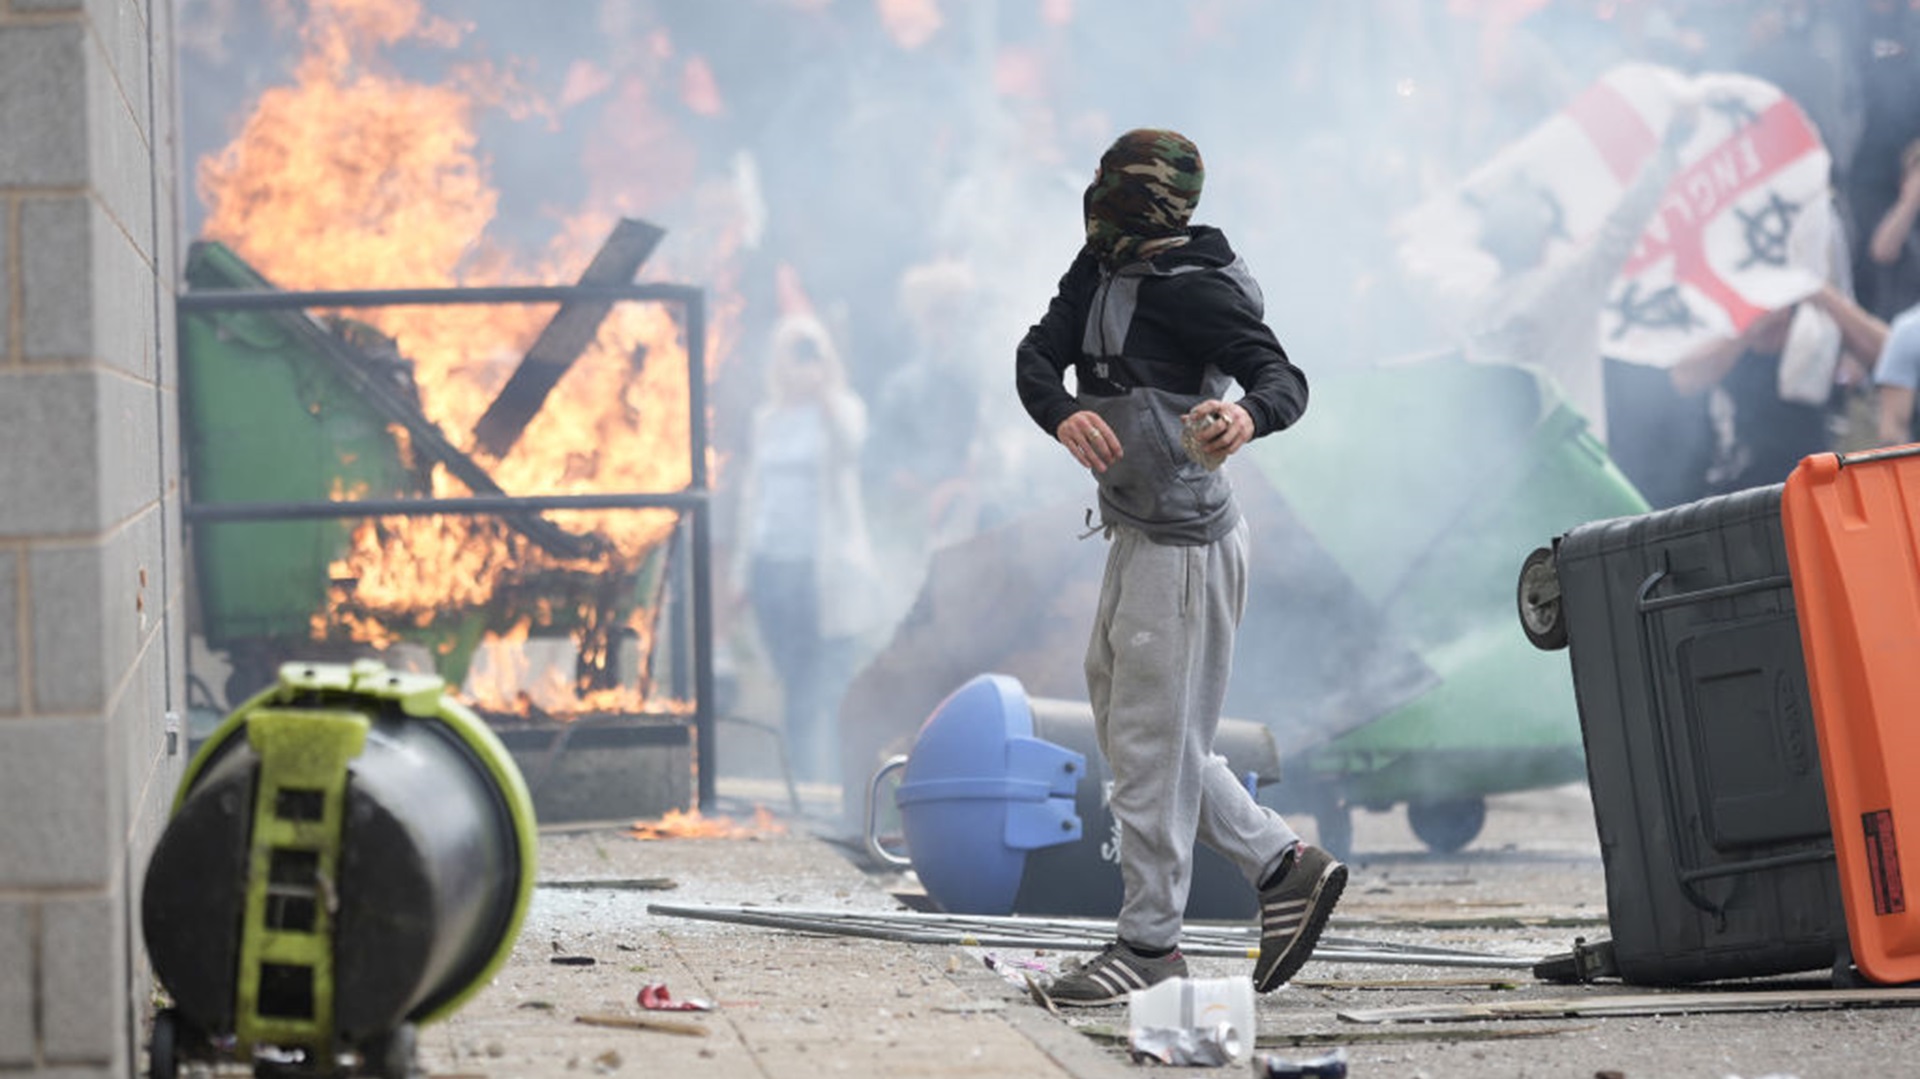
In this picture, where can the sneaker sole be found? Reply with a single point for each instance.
(1319, 908)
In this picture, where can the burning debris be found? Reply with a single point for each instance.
(459, 586)
(693, 825)
(354, 177)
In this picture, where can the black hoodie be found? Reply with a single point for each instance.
(1147, 342)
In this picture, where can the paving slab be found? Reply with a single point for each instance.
(786, 1005)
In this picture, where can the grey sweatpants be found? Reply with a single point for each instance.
(1156, 675)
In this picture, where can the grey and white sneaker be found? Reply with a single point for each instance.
(1107, 978)
(1293, 911)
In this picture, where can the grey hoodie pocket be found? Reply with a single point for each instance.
(1153, 482)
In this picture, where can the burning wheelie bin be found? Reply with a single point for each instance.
(271, 416)
(283, 411)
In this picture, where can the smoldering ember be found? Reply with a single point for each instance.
(958, 537)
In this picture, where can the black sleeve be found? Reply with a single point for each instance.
(1225, 330)
(1051, 346)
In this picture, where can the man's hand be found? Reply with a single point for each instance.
(1089, 439)
(1221, 439)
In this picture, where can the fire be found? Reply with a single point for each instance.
(355, 177)
(692, 825)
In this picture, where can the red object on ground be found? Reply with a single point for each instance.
(655, 998)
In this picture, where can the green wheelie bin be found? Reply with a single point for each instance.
(1429, 480)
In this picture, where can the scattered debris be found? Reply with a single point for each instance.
(1207, 1047)
(1330, 1066)
(972, 1007)
(1017, 972)
(615, 884)
(1475, 921)
(1070, 934)
(1001, 963)
(1110, 1035)
(1040, 996)
(655, 998)
(1495, 984)
(641, 1022)
(573, 960)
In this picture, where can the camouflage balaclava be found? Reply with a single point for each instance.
(1143, 195)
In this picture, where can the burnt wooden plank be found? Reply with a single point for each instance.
(564, 338)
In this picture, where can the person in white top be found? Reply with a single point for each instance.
(804, 561)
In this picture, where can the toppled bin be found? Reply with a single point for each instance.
(1003, 807)
(1701, 752)
(1850, 535)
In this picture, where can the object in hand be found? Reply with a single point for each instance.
(1195, 429)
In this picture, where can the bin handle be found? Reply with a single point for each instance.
(1648, 602)
(1866, 456)
(874, 846)
(1688, 875)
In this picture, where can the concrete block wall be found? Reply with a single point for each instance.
(92, 617)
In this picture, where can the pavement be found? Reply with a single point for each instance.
(789, 1004)
(785, 1004)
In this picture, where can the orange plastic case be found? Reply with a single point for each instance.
(1853, 542)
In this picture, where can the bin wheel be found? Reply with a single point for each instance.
(1541, 614)
(163, 1047)
(392, 1056)
(1448, 825)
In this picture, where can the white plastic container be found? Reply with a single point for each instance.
(1200, 1005)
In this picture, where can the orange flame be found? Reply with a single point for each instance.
(354, 177)
(692, 825)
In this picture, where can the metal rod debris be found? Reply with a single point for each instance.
(475, 506)
(987, 931)
(257, 300)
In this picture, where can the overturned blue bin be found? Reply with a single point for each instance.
(979, 792)
(1003, 808)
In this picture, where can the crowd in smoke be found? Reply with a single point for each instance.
(908, 174)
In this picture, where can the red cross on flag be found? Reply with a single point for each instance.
(1742, 225)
